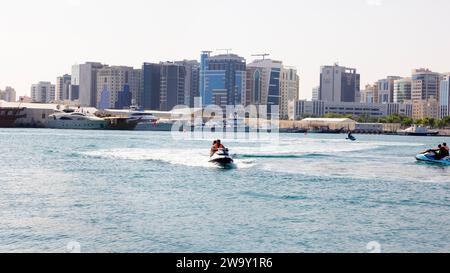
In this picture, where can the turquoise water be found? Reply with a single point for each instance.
(145, 192)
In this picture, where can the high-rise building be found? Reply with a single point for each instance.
(118, 87)
(84, 83)
(425, 84)
(9, 94)
(386, 89)
(444, 97)
(425, 93)
(254, 84)
(172, 85)
(222, 79)
(369, 94)
(63, 87)
(402, 90)
(264, 85)
(191, 81)
(151, 86)
(315, 93)
(43, 92)
(339, 84)
(289, 90)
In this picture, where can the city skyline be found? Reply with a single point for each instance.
(301, 31)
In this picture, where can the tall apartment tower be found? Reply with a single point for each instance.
(63, 87)
(43, 92)
(369, 94)
(172, 86)
(425, 93)
(289, 90)
(425, 84)
(118, 87)
(339, 84)
(444, 97)
(402, 90)
(84, 83)
(386, 90)
(151, 86)
(191, 81)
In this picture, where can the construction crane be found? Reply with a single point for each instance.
(225, 49)
(264, 55)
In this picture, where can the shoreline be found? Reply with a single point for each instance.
(442, 133)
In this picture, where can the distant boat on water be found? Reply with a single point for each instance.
(417, 130)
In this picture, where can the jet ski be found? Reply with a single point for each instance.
(429, 157)
(351, 137)
(221, 157)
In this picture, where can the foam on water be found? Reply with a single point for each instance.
(187, 157)
(249, 155)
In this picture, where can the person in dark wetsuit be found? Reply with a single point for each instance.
(350, 136)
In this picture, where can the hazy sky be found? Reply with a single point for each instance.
(41, 39)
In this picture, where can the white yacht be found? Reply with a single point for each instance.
(75, 120)
(149, 122)
(142, 117)
(417, 130)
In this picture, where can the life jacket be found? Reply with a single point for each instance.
(217, 146)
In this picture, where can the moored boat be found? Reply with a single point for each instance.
(75, 120)
(118, 123)
(417, 130)
(9, 116)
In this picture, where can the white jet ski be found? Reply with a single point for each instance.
(221, 157)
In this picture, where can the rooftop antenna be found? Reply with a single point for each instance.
(225, 49)
(264, 55)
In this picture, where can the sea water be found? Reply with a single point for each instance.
(104, 191)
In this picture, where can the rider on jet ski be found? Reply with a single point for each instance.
(216, 147)
(439, 153)
(350, 135)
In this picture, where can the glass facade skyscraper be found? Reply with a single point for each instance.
(151, 86)
(402, 90)
(444, 97)
(172, 86)
(263, 87)
(222, 79)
